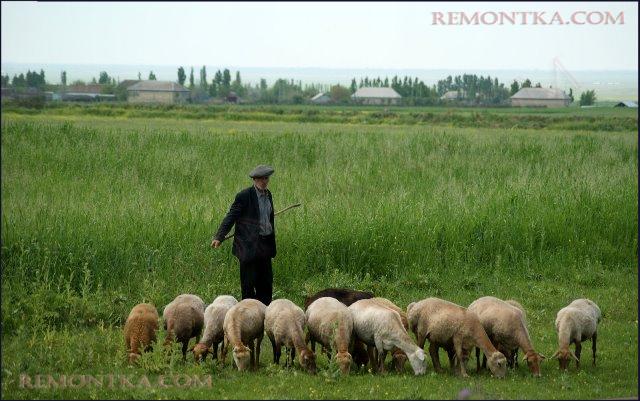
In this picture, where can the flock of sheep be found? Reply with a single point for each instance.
(344, 321)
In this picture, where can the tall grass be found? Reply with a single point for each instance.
(99, 214)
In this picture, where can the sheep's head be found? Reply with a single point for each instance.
(133, 357)
(533, 360)
(242, 357)
(344, 361)
(418, 362)
(564, 357)
(399, 360)
(308, 360)
(497, 363)
(200, 352)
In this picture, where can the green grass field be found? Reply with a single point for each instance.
(100, 213)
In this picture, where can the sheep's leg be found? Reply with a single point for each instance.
(421, 340)
(214, 354)
(435, 359)
(293, 355)
(185, 345)
(258, 344)
(593, 347)
(381, 357)
(372, 357)
(223, 351)
(457, 344)
(578, 351)
(277, 351)
(252, 352)
(452, 357)
(477, 359)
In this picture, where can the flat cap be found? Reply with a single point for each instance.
(261, 171)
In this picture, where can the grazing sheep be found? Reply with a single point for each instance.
(329, 322)
(213, 333)
(398, 356)
(452, 327)
(347, 297)
(244, 324)
(513, 361)
(380, 326)
(576, 323)
(183, 319)
(140, 330)
(507, 330)
(284, 324)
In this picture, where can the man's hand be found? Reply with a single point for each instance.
(215, 243)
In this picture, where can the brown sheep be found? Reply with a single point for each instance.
(284, 324)
(184, 319)
(244, 324)
(507, 330)
(347, 297)
(454, 328)
(140, 330)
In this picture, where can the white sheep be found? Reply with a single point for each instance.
(183, 319)
(284, 324)
(244, 324)
(507, 330)
(213, 333)
(576, 323)
(514, 352)
(455, 329)
(330, 323)
(380, 326)
(140, 330)
(398, 356)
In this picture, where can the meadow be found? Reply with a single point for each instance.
(101, 212)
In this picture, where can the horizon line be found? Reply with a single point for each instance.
(318, 68)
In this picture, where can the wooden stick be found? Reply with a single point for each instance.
(275, 214)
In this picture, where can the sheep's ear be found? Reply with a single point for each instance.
(555, 355)
(421, 355)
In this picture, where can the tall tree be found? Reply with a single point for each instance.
(139, 76)
(203, 78)
(104, 78)
(182, 76)
(152, 76)
(588, 98)
(192, 83)
(63, 78)
(571, 95)
(515, 87)
(353, 86)
(526, 83)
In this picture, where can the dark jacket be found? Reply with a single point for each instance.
(245, 214)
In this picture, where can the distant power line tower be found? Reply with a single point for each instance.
(558, 68)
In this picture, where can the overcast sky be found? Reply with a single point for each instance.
(328, 35)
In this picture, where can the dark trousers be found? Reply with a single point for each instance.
(256, 280)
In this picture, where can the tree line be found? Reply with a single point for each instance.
(471, 89)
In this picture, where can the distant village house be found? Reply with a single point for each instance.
(157, 92)
(321, 98)
(375, 96)
(540, 97)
